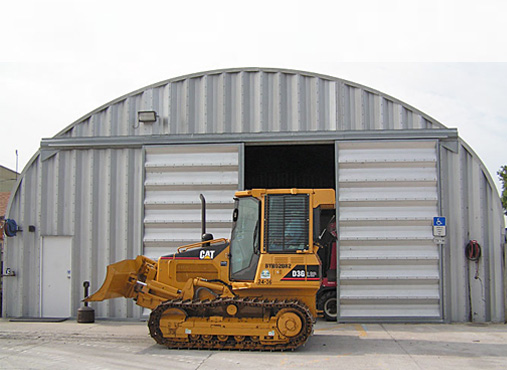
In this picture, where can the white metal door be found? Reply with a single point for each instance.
(387, 198)
(56, 276)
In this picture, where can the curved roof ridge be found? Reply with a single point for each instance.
(249, 69)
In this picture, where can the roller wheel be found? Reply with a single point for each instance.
(329, 305)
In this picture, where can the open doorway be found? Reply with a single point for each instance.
(290, 166)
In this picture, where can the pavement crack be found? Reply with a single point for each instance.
(401, 347)
(203, 361)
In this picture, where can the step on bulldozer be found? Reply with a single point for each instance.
(255, 291)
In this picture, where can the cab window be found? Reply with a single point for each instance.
(287, 223)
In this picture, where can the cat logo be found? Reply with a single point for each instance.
(206, 255)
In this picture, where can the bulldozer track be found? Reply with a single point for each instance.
(204, 309)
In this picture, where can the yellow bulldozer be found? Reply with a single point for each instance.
(255, 291)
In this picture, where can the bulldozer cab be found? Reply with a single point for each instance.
(278, 222)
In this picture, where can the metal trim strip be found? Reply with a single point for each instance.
(112, 142)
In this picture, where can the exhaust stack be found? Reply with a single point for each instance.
(204, 236)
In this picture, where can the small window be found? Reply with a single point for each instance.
(245, 239)
(286, 225)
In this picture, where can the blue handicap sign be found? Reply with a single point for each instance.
(438, 221)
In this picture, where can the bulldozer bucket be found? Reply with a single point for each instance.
(116, 283)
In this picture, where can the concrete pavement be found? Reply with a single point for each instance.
(127, 344)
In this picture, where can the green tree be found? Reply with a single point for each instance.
(502, 174)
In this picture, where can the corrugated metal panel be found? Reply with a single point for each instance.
(94, 196)
(174, 178)
(251, 100)
(473, 290)
(389, 265)
(21, 294)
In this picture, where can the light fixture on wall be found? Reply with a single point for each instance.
(147, 116)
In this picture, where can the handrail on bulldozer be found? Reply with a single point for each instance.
(185, 248)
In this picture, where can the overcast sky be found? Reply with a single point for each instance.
(62, 59)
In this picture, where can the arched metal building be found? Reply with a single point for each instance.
(110, 187)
